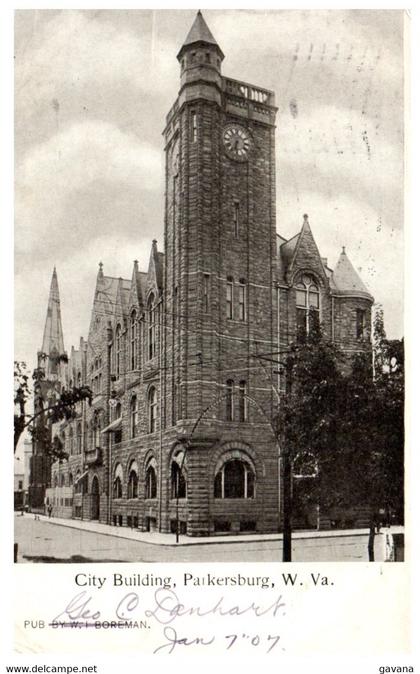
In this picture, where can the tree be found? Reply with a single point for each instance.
(61, 406)
(22, 393)
(309, 413)
(347, 422)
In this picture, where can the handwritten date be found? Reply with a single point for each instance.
(268, 642)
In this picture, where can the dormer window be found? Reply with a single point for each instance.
(307, 305)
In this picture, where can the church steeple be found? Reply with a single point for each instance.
(52, 348)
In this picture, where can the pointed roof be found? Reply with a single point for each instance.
(136, 297)
(301, 252)
(155, 270)
(53, 341)
(347, 280)
(199, 32)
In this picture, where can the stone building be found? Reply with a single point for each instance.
(179, 433)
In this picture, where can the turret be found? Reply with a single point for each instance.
(200, 57)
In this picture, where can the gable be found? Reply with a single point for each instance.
(306, 256)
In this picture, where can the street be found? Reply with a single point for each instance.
(40, 540)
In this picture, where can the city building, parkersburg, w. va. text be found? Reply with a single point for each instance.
(180, 430)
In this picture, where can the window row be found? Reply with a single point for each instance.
(150, 481)
(130, 339)
(308, 310)
(235, 479)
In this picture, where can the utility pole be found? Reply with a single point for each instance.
(287, 505)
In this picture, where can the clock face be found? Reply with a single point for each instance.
(237, 141)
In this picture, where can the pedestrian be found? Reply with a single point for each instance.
(50, 510)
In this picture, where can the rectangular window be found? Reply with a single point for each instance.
(242, 301)
(229, 400)
(360, 323)
(206, 293)
(193, 126)
(301, 329)
(229, 299)
(236, 218)
(243, 400)
(300, 298)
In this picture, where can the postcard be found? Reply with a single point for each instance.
(209, 378)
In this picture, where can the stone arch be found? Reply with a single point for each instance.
(150, 477)
(117, 479)
(132, 480)
(178, 471)
(310, 272)
(236, 450)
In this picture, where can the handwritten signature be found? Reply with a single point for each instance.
(166, 609)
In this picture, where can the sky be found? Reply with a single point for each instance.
(92, 88)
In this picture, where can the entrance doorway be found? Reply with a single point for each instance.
(95, 499)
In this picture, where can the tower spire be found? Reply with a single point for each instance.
(199, 34)
(52, 342)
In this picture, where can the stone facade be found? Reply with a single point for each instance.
(179, 433)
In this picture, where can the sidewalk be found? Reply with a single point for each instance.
(157, 538)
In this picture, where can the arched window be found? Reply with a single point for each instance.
(118, 350)
(71, 448)
(307, 306)
(79, 438)
(229, 399)
(133, 416)
(134, 340)
(151, 480)
(55, 481)
(118, 480)
(243, 401)
(79, 379)
(70, 480)
(133, 481)
(152, 408)
(235, 479)
(151, 326)
(62, 480)
(178, 476)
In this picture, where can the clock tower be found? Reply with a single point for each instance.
(220, 278)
